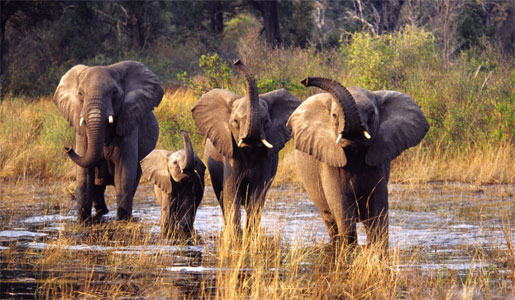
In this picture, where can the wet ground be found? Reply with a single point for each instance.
(448, 225)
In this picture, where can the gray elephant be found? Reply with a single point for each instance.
(110, 109)
(244, 136)
(345, 141)
(178, 179)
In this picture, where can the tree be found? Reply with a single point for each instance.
(269, 12)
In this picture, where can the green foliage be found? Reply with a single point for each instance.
(376, 61)
(218, 73)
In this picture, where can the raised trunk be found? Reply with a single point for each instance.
(188, 150)
(96, 124)
(252, 128)
(354, 125)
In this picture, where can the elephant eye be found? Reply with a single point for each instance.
(334, 115)
(79, 93)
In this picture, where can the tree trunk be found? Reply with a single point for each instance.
(268, 10)
(217, 17)
(389, 11)
(3, 69)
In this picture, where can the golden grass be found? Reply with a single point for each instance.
(477, 164)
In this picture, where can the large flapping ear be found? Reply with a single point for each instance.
(313, 131)
(155, 169)
(67, 100)
(402, 124)
(142, 92)
(211, 114)
(281, 104)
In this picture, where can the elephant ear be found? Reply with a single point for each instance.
(402, 124)
(281, 104)
(67, 100)
(211, 114)
(142, 92)
(313, 131)
(155, 169)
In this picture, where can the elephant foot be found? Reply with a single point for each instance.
(123, 215)
(83, 216)
(99, 213)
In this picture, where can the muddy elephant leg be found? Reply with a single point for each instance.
(376, 223)
(231, 198)
(254, 205)
(126, 175)
(85, 179)
(341, 202)
(85, 184)
(215, 165)
(99, 203)
(166, 220)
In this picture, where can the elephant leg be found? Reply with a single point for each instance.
(215, 166)
(340, 195)
(376, 222)
(308, 170)
(255, 203)
(85, 179)
(84, 192)
(99, 202)
(233, 190)
(126, 175)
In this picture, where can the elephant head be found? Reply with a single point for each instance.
(385, 123)
(163, 166)
(230, 120)
(94, 98)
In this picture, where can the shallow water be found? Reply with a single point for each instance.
(448, 224)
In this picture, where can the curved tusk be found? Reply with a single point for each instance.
(367, 135)
(240, 142)
(266, 143)
(339, 138)
(81, 121)
(111, 120)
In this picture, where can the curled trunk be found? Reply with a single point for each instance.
(252, 128)
(96, 123)
(188, 150)
(354, 125)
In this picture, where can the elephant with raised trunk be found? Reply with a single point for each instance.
(345, 141)
(110, 109)
(244, 137)
(178, 179)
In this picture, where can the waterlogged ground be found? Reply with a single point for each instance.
(442, 227)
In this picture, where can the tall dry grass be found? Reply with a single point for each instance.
(468, 102)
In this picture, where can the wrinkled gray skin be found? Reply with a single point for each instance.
(347, 180)
(178, 179)
(237, 129)
(105, 152)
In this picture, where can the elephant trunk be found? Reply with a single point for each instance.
(188, 150)
(354, 126)
(252, 128)
(96, 124)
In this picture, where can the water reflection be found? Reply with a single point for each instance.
(441, 222)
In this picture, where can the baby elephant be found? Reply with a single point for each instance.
(178, 179)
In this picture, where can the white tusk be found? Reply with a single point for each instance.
(81, 121)
(367, 135)
(111, 120)
(339, 138)
(266, 143)
(240, 142)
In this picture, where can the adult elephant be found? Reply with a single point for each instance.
(244, 136)
(345, 141)
(178, 179)
(110, 109)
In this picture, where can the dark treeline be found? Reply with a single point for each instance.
(40, 39)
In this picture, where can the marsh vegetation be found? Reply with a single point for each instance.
(451, 197)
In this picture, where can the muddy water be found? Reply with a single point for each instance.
(448, 224)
